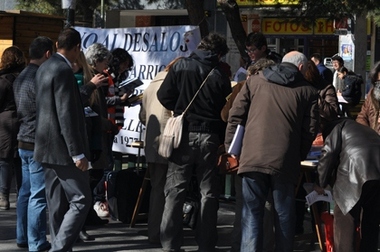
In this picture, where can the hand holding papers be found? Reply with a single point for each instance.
(134, 100)
(130, 84)
(341, 99)
(313, 197)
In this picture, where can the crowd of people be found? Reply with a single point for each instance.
(53, 138)
(282, 102)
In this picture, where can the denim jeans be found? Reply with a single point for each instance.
(256, 187)
(31, 204)
(197, 153)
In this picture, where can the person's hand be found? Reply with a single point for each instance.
(338, 93)
(82, 164)
(318, 189)
(129, 92)
(99, 80)
(124, 97)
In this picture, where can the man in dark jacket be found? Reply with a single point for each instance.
(31, 201)
(201, 136)
(256, 48)
(61, 142)
(325, 73)
(350, 164)
(279, 110)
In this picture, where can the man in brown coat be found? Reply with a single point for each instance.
(369, 114)
(279, 110)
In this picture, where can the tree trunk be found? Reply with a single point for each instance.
(231, 10)
(361, 47)
(197, 15)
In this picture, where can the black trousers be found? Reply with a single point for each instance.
(366, 214)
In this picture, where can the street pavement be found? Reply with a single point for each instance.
(117, 236)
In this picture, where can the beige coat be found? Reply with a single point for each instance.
(154, 116)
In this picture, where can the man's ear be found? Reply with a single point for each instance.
(300, 66)
(48, 54)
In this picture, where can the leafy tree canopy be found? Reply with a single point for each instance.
(84, 8)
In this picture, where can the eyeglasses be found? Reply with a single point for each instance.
(251, 50)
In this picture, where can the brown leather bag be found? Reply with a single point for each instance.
(227, 164)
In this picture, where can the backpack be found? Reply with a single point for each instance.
(352, 90)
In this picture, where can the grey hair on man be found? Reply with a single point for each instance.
(296, 58)
(97, 53)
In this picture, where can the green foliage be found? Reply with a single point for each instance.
(330, 8)
(52, 7)
(375, 15)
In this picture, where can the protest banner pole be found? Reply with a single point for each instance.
(70, 6)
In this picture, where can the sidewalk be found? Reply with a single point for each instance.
(117, 236)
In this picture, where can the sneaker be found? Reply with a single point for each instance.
(101, 209)
(4, 201)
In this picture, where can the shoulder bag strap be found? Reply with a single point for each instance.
(199, 89)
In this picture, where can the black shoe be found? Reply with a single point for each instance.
(96, 222)
(46, 248)
(85, 237)
(22, 245)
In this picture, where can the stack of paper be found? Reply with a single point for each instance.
(313, 197)
(313, 162)
(237, 141)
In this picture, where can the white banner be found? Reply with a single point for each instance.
(69, 4)
(151, 48)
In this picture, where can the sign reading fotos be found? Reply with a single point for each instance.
(267, 2)
(151, 48)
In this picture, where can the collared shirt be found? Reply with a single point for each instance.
(67, 61)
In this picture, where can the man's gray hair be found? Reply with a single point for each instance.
(296, 58)
(97, 53)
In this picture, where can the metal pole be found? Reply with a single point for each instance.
(70, 6)
(102, 13)
(70, 17)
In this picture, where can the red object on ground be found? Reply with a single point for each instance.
(328, 220)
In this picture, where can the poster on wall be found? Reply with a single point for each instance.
(347, 50)
(151, 48)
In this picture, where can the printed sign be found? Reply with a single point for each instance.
(151, 48)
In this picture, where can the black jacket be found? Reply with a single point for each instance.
(351, 91)
(181, 83)
(9, 125)
(350, 157)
